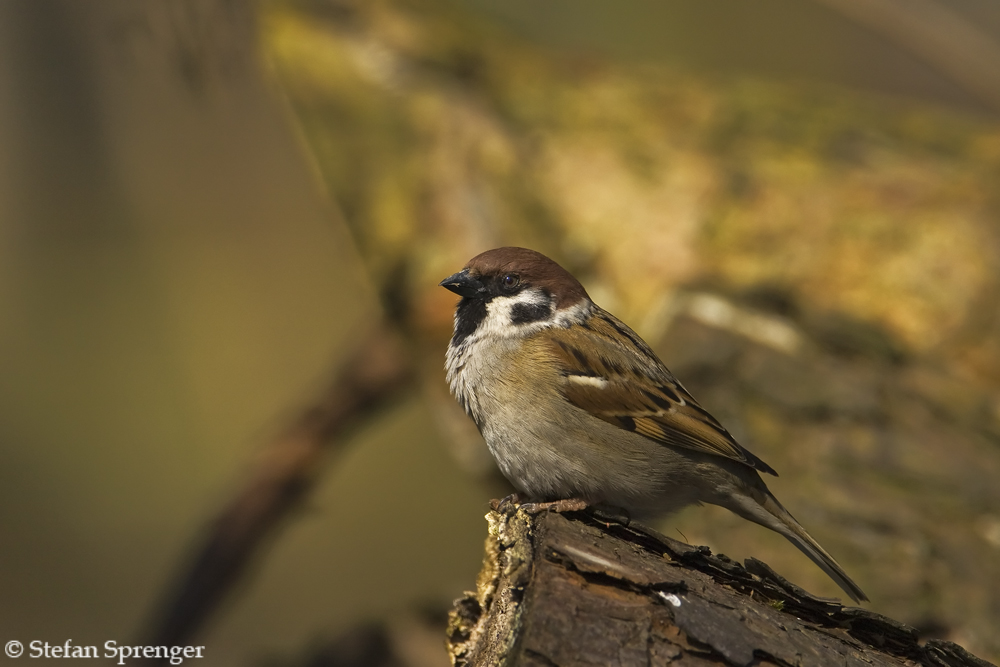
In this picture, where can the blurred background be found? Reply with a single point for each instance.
(206, 205)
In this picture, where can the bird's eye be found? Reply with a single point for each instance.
(510, 281)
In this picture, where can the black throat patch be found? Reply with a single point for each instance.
(470, 314)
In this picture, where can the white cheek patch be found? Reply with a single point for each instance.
(500, 315)
(588, 380)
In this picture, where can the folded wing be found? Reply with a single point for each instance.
(612, 374)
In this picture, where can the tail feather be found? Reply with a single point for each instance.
(768, 512)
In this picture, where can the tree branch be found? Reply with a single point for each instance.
(378, 371)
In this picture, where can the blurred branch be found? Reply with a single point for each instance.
(938, 35)
(378, 371)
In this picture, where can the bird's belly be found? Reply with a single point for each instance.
(583, 457)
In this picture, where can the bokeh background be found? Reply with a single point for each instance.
(206, 204)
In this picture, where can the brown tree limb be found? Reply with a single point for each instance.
(376, 374)
(568, 590)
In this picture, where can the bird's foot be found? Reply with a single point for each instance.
(564, 505)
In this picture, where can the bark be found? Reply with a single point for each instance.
(566, 589)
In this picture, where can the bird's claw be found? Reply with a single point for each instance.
(506, 505)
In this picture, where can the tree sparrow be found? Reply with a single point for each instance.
(577, 409)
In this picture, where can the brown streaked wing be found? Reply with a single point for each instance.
(640, 394)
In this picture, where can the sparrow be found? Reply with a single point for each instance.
(579, 411)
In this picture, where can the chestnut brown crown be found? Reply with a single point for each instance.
(532, 268)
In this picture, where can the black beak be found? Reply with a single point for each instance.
(462, 284)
